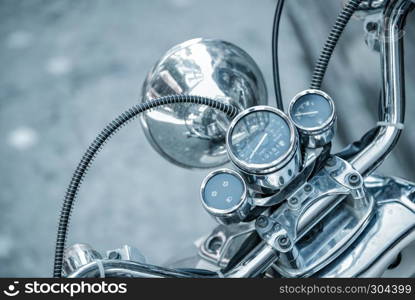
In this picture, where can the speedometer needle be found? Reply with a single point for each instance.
(259, 145)
(306, 113)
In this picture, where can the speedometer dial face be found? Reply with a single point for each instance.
(260, 138)
(312, 111)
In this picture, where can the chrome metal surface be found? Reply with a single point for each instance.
(223, 243)
(120, 268)
(309, 163)
(255, 263)
(391, 229)
(389, 232)
(126, 252)
(331, 187)
(274, 175)
(402, 265)
(193, 136)
(371, 4)
(315, 225)
(393, 100)
(372, 25)
(234, 214)
(77, 256)
(320, 135)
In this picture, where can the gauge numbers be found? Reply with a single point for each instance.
(260, 138)
(311, 110)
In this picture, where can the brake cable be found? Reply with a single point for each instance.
(331, 42)
(275, 63)
(321, 68)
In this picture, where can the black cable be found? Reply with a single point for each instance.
(200, 272)
(250, 243)
(356, 147)
(275, 64)
(96, 146)
(331, 42)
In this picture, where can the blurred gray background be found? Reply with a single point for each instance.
(69, 67)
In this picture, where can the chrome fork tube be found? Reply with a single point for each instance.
(393, 100)
(260, 259)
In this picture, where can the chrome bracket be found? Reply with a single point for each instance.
(309, 162)
(372, 24)
(308, 213)
(126, 252)
(371, 5)
(224, 241)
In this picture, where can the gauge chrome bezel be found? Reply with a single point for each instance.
(317, 129)
(223, 212)
(263, 169)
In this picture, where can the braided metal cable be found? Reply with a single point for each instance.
(331, 42)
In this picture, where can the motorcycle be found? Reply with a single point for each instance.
(288, 207)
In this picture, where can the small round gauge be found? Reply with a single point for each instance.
(313, 113)
(261, 139)
(224, 194)
(312, 110)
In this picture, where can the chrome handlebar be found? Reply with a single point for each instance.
(393, 98)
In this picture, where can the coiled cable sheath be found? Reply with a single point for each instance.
(331, 42)
(96, 146)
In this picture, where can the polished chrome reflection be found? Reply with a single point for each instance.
(223, 243)
(77, 256)
(391, 230)
(124, 268)
(393, 100)
(194, 136)
(371, 4)
(315, 227)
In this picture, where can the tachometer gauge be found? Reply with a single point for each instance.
(313, 113)
(263, 143)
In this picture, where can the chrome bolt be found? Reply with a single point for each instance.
(331, 162)
(372, 26)
(353, 179)
(214, 244)
(276, 227)
(262, 222)
(284, 242)
(308, 188)
(114, 255)
(293, 201)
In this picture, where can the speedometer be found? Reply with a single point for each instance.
(262, 140)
